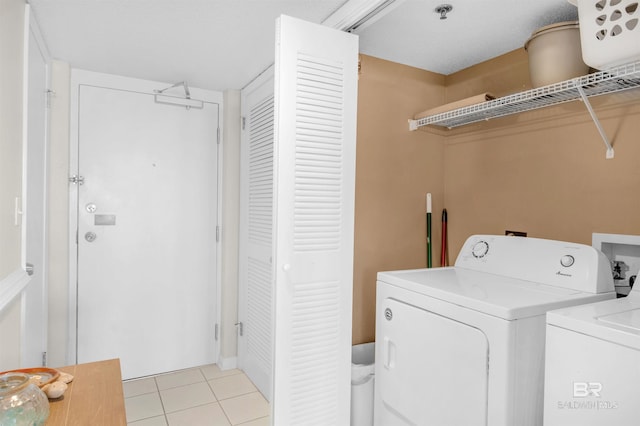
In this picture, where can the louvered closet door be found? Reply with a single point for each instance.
(315, 116)
(256, 231)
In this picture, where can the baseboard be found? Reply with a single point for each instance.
(228, 363)
(11, 286)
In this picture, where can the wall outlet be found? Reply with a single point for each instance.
(515, 233)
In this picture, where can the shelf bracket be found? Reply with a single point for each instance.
(585, 99)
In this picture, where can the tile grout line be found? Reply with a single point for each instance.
(238, 396)
(199, 405)
(249, 421)
(241, 394)
(218, 401)
(209, 386)
(164, 412)
(240, 372)
(189, 408)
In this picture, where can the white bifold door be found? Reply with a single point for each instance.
(316, 74)
(298, 251)
(255, 337)
(147, 215)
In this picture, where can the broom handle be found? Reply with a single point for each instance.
(429, 230)
(443, 254)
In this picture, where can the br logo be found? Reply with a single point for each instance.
(586, 389)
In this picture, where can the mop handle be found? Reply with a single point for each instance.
(443, 254)
(429, 230)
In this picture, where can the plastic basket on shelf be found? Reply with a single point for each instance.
(609, 32)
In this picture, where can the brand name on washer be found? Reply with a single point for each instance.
(563, 274)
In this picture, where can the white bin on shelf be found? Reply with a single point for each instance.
(362, 378)
(609, 32)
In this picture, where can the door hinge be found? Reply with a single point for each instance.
(244, 122)
(48, 95)
(44, 359)
(76, 179)
(217, 233)
(28, 268)
(240, 326)
(216, 333)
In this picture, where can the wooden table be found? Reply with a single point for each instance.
(94, 397)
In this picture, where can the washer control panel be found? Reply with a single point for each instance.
(558, 263)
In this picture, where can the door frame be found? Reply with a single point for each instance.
(109, 81)
(33, 33)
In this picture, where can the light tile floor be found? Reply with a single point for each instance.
(204, 396)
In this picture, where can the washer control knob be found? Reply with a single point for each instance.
(567, 260)
(480, 249)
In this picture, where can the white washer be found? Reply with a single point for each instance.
(593, 364)
(464, 345)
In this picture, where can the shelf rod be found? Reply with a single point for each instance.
(594, 117)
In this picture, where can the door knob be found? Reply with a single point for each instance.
(90, 236)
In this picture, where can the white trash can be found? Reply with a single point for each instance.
(362, 378)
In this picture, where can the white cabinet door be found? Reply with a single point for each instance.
(256, 228)
(315, 131)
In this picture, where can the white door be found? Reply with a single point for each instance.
(35, 190)
(255, 337)
(314, 189)
(433, 370)
(147, 214)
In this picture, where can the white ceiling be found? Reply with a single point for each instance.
(474, 31)
(223, 44)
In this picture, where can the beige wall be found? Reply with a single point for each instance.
(395, 168)
(543, 172)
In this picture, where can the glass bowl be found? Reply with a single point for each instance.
(22, 403)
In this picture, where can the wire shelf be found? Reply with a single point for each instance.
(600, 83)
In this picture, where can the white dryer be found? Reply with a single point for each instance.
(464, 345)
(593, 364)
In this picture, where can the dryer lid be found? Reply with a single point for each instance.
(495, 295)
